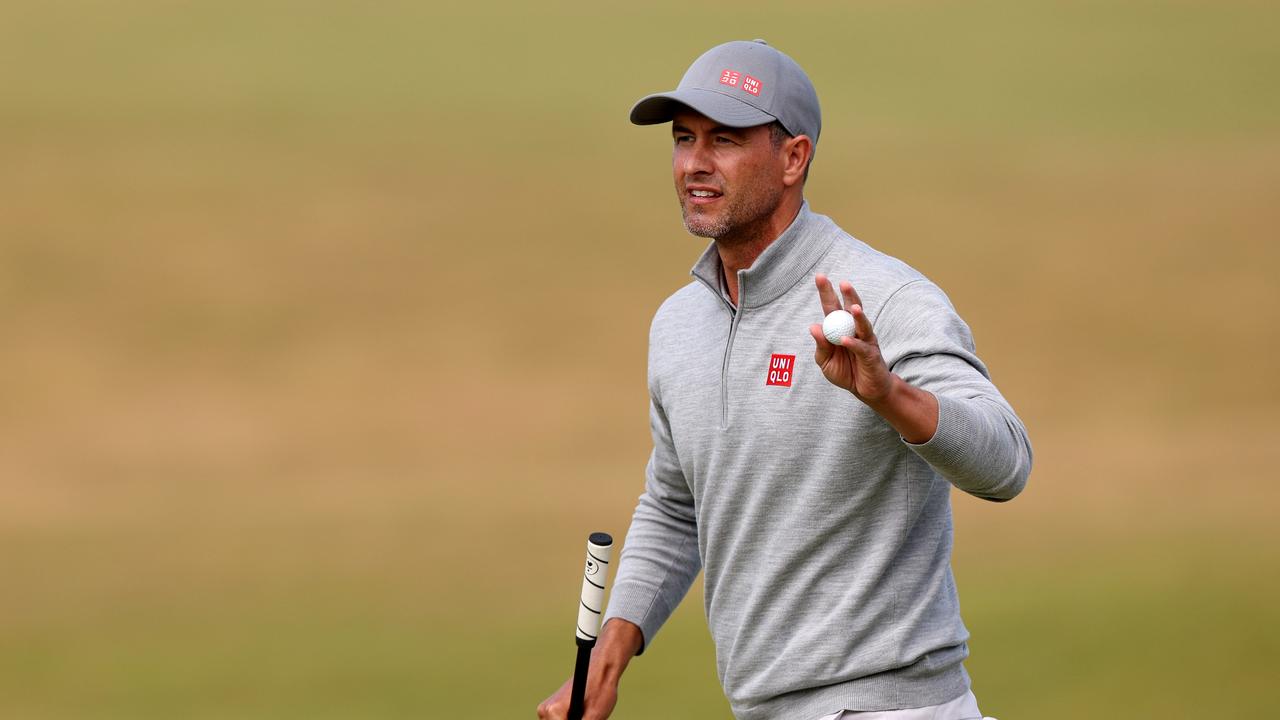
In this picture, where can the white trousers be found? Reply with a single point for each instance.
(964, 707)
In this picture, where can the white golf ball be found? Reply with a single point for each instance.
(839, 324)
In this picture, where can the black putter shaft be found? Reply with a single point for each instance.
(579, 696)
(590, 611)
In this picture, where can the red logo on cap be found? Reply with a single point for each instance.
(781, 369)
(729, 77)
(751, 85)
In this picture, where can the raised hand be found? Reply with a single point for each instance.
(855, 364)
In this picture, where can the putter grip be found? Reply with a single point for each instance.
(594, 579)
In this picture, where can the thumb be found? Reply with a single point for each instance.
(825, 348)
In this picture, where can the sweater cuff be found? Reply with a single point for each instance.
(634, 603)
(953, 439)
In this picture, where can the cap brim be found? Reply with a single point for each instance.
(726, 110)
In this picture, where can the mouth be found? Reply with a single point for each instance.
(702, 195)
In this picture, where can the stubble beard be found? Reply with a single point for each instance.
(740, 221)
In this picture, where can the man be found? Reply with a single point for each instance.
(815, 497)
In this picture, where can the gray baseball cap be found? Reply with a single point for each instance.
(740, 84)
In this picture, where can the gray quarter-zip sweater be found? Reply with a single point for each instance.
(824, 536)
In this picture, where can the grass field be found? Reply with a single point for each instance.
(261, 455)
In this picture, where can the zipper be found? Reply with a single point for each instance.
(724, 373)
(734, 315)
(728, 354)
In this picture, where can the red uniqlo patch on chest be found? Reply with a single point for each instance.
(751, 85)
(729, 77)
(781, 369)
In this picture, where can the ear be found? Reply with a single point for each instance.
(796, 152)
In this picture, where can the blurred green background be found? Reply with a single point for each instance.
(325, 324)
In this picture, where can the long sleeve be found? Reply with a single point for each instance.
(660, 557)
(980, 445)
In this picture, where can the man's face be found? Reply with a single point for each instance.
(729, 180)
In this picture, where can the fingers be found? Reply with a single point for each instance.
(861, 323)
(850, 296)
(556, 707)
(851, 303)
(874, 381)
(550, 710)
(866, 356)
(826, 294)
(600, 699)
(862, 351)
(825, 348)
(862, 344)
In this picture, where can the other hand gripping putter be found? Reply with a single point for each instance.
(590, 612)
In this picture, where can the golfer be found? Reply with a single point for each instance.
(813, 495)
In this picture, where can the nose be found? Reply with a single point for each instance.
(694, 158)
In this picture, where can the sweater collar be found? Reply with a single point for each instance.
(786, 261)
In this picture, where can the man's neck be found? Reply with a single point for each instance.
(740, 253)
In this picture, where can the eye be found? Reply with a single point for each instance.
(683, 139)
(724, 140)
